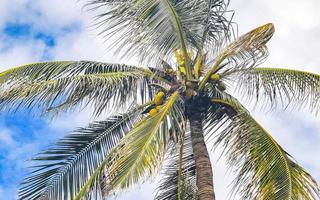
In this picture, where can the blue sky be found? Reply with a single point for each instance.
(38, 30)
(28, 34)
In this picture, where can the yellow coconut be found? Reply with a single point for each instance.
(180, 58)
(158, 98)
(153, 112)
(182, 69)
(177, 54)
(215, 77)
(158, 108)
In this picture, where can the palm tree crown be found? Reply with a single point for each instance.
(181, 95)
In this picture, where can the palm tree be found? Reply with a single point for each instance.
(180, 97)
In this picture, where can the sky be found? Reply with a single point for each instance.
(40, 30)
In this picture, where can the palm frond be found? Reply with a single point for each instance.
(265, 170)
(140, 154)
(58, 69)
(218, 28)
(62, 171)
(101, 174)
(33, 70)
(101, 91)
(274, 86)
(169, 187)
(245, 52)
(154, 28)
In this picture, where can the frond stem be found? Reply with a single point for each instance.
(155, 76)
(213, 69)
(177, 24)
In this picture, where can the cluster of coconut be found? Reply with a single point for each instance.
(158, 100)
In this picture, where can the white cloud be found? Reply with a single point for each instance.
(80, 46)
(67, 122)
(47, 15)
(7, 8)
(20, 53)
(57, 13)
(6, 138)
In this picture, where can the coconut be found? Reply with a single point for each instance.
(153, 112)
(215, 77)
(158, 98)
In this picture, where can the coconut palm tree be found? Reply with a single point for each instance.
(162, 111)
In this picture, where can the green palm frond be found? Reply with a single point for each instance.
(140, 154)
(245, 52)
(169, 186)
(57, 69)
(101, 91)
(154, 28)
(274, 86)
(62, 171)
(32, 71)
(218, 28)
(265, 170)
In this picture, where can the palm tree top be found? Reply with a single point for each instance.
(190, 62)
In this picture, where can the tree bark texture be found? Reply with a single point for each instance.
(202, 158)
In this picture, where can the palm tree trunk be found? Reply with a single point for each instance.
(202, 159)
